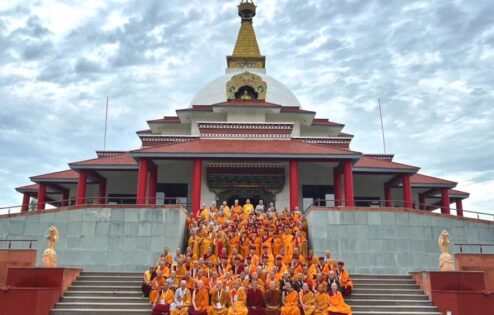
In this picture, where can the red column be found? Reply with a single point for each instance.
(388, 196)
(459, 207)
(422, 205)
(294, 183)
(196, 186)
(407, 191)
(41, 196)
(25, 202)
(102, 191)
(337, 186)
(153, 183)
(65, 198)
(348, 175)
(81, 188)
(445, 201)
(142, 180)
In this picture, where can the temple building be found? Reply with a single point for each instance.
(244, 135)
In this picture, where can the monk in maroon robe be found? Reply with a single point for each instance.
(255, 299)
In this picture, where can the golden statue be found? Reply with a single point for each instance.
(50, 255)
(445, 259)
(245, 96)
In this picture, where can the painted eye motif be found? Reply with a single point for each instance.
(260, 88)
(232, 89)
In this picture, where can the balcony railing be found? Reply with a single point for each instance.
(473, 245)
(8, 243)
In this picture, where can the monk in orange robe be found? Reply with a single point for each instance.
(277, 245)
(237, 208)
(307, 300)
(290, 301)
(343, 276)
(238, 300)
(219, 300)
(200, 300)
(156, 285)
(163, 301)
(322, 301)
(336, 302)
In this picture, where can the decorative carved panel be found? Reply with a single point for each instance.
(246, 79)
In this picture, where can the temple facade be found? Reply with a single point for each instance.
(244, 135)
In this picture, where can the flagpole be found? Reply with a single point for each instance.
(382, 124)
(106, 124)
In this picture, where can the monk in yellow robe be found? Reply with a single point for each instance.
(226, 209)
(200, 300)
(182, 300)
(205, 243)
(307, 300)
(248, 207)
(322, 301)
(219, 300)
(336, 302)
(163, 301)
(290, 301)
(237, 208)
(277, 244)
(204, 214)
(156, 286)
(194, 243)
(288, 243)
(238, 300)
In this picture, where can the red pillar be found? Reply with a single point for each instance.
(294, 183)
(153, 183)
(102, 191)
(196, 186)
(337, 186)
(142, 180)
(348, 175)
(388, 196)
(81, 188)
(407, 191)
(422, 205)
(41, 196)
(459, 207)
(445, 201)
(25, 202)
(65, 198)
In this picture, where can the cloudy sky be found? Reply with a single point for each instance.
(430, 62)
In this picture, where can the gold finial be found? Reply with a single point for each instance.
(246, 53)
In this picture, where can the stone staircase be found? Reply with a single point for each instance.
(108, 293)
(388, 295)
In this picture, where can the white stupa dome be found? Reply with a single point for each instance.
(215, 91)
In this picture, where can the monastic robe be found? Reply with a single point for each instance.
(309, 302)
(164, 301)
(205, 243)
(322, 303)
(226, 210)
(272, 298)
(201, 301)
(146, 286)
(255, 302)
(156, 286)
(219, 302)
(346, 282)
(194, 245)
(239, 302)
(338, 305)
(182, 302)
(248, 208)
(290, 304)
(277, 245)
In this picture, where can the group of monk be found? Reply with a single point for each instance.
(246, 260)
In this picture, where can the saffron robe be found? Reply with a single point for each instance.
(322, 303)
(238, 302)
(201, 300)
(290, 306)
(338, 305)
(220, 297)
(309, 302)
(163, 303)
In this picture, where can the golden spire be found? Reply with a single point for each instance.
(246, 53)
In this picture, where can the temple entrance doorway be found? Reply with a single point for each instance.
(242, 196)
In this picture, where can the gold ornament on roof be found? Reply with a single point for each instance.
(246, 79)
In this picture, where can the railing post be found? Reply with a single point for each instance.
(481, 249)
(10, 244)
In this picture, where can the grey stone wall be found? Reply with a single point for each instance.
(385, 242)
(102, 239)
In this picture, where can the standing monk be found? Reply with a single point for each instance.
(200, 300)
(255, 299)
(290, 301)
(336, 302)
(272, 298)
(182, 300)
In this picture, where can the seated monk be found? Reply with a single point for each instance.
(337, 305)
(255, 299)
(290, 301)
(238, 300)
(307, 300)
(200, 300)
(156, 286)
(219, 300)
(148, 280)
(322, 301)
(182, 300)
(343, 276)
(272, 298)
(163, 301)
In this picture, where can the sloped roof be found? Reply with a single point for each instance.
(62, 176)
(421, 180)
(118, 161)
(372, 164)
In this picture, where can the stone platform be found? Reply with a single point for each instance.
(102, 239)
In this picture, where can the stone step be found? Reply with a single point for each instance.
(105, 299)
(108, 282)
(112, 274)
(376, 276)
(393, 308)
(376, 285)
(419, 296)
(106, 277)
(95, 305)
(383, 281)
(92, 293)
(107, 288)
(358, 301)
(387, 291)
(395, 313)
(116, 311)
